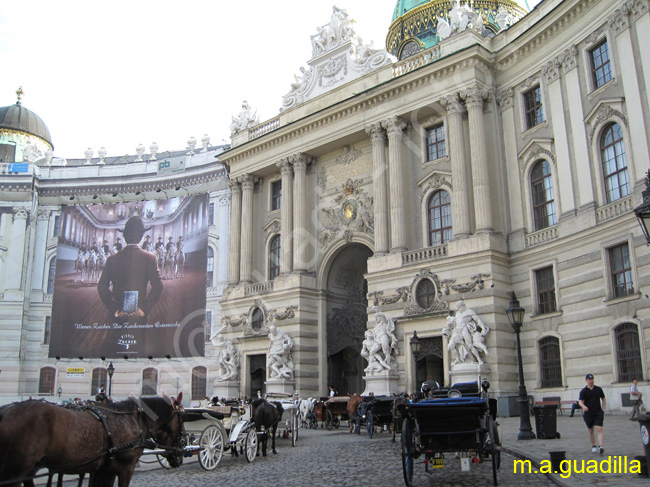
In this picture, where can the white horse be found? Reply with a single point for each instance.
(91, 265)
(180, 263)
(101, 262)
(80, 266)
(160, 258)
(169, 262)
(305, 408)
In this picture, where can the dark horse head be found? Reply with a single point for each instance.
(39, 434)
(268, 415)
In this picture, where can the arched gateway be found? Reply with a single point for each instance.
(347, 317)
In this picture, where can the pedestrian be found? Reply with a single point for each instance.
(332, 391)
(593, 412)
(635, 397)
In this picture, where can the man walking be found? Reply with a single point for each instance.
(635, 398)
(593, 412)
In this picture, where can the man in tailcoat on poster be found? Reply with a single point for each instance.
(130, 272)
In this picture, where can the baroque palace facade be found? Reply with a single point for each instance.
(487, 150)
(496, 154)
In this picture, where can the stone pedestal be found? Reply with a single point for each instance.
(226, 388)
(471, 372)
(382, 384)
(280, 386)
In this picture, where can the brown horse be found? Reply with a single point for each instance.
(353, 407)
(106, 440)
(268, 415)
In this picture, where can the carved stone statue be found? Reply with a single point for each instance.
(380, 344)
(244, 120)
(466, 332)
(227, 357)
(503, 18)
(280, 363)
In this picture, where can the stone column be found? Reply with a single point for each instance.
(246, 264)
(16, 251)
(459, 173)
(234, 248)
(300, 211)
(38, 272)
(395, 128)
(480, 174)
(286, 215)
(378, 138)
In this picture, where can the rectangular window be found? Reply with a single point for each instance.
(533, 107)
(600, 66)
(46, 332)
(436, 143)
(621, 271)
(55, 230)
(211, 214)
(545, 291)
(276, 195)
(550, 362)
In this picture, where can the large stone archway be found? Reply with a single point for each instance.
(347, 317)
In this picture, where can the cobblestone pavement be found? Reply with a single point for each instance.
(334, 458)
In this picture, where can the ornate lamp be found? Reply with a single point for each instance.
(516, 317)
(642, 211)
(416, 344)
(111, 371)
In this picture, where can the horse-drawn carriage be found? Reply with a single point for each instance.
(375, 411)
(288, 425)
(450, 421)
(335, 410)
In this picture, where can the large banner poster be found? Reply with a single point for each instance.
(131, 280)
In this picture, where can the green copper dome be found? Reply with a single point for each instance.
(414, 26)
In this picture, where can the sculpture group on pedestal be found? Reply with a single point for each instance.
(280, 362)
(380, 345)
(466, 333)
(244, 120)
(227, 358)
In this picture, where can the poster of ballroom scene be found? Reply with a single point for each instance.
(131, 280)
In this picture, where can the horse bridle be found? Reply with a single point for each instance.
(149, 440)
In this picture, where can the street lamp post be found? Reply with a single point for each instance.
(111, 371)
(416, 346)
(516, 317)
(642, 211)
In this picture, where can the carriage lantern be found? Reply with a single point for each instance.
(111, 371)
(416, 344)
(516, 317)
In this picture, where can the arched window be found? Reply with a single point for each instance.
(439, 215)
(628, 352)
(543, 200)
(209, 275)
(46, 381)
(149, 382)
(274, 257)
(50, 276)
(258, 319)
(550, 362)
(612, 150)
(199, 383)
(100, 378)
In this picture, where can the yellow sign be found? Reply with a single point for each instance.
(75, 371)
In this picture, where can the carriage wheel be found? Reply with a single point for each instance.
(357, 428)
(294, 429)
(337, 422)
(329, 420)
(408, 447)
(165, 463)
(251, 445)
(495, 448)
(313, 421)
(211, 442)
(369, 423)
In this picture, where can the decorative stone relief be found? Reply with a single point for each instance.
(288, 313)
(619, 21)
(250, 328)
(551, 71)
(535, 151)
(420, 304)
(435, 182)
(505, 98)
(477, 282)
(233, 321)
(351, 211)
(569, 59)
(453, 103)
(348, 155)
(272, 228)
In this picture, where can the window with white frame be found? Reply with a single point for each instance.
(541, 182)
(149, 382)
(276, 195)
(550, 362)
(199, 383)
(628, 353)
(545, 290)
(50, 276)
(601, 70)
(436, 144)
(439, 218)
(274, 257)
(620, 270)
(533, 107)
(612, 150)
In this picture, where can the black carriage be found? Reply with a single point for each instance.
(335, 410)
(456, 423)
(373, 412)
